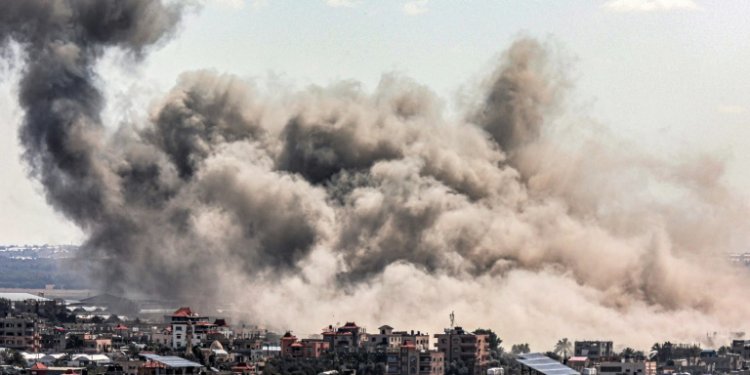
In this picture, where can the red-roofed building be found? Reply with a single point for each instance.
(305, 348)
(38, 369)
(183, 312)
(188, 328)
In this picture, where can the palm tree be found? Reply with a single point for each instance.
(627, 353)
(563, 348)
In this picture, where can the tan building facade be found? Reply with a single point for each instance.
(464, 349)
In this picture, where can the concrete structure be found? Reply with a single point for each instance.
(410, 360)
(594, 350)
(741, 347)
(95, 344)
(459, 346)
(28, 304)
(20, 333)
(291, 347)
(347, 338)
(265, 352)
(188, 328)
(627, 368)
(388, 340)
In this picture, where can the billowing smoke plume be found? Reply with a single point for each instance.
(332, 203)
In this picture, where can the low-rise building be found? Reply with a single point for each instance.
(20, 333)
(97, 344)
(627, 368)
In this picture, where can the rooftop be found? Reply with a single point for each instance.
(183, 312)
(545, 365)
(171, 361)
(19, 297)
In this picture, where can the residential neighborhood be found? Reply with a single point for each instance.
(267, 187)
(111, 335)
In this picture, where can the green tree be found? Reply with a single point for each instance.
(74, 342)
(494, 342)
(133, 350)
(13, 358)
(563, 348)
(520, 349)
(62, 361)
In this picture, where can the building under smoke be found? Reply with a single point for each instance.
(374, 205)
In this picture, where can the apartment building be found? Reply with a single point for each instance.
(347, 338)
(388, 340)
(459, 346)
(20, 333)
(410, 360)
(188, 328)
(594, 350)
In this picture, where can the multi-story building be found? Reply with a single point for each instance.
(388, 340)
(20, 333)
(53, 340)
(348, 338)
(471, 350)
(188, 328)
(594, 350)
(741, 347)
(410, 360)
(305, 348)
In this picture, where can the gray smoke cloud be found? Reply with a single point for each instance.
(331, 203)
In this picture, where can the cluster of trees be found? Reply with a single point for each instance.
(668, 351)
(12, 358)
(363, 363)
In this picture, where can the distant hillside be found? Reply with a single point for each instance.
(35, 266)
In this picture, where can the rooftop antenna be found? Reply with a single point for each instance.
(453, 318)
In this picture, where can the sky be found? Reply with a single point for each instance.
(667, 75)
